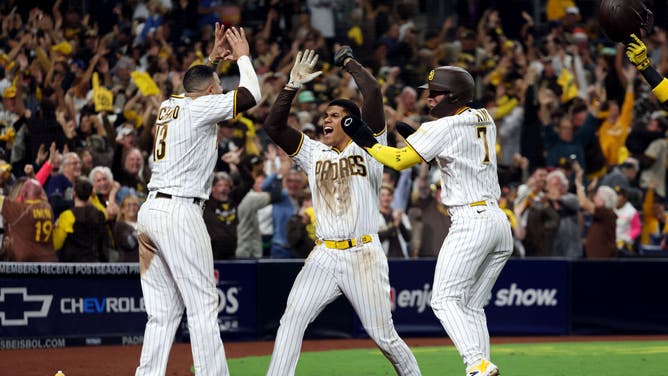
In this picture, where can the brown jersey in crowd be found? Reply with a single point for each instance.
(28, 225)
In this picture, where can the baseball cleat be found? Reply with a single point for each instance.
(483, 368)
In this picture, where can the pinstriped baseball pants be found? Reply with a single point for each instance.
(361, 274)
(178, 275)
(471, 258)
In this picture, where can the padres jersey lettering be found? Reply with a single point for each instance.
(344, 167)
(345, 188)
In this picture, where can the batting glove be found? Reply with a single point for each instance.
(357, 129)
(342, 54)
(636, 51)
(302, 71)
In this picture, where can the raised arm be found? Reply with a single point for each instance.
(583, 200)
(276, 124)
(248, 93)
(636, 51)
(372, 107)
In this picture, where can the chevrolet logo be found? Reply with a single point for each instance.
(45, 301)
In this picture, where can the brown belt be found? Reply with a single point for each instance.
(196, 200)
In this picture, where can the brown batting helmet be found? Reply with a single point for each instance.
(621, 18)
(455, 82)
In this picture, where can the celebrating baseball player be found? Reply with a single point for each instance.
(628, 21)
(479, 242)
(176, 260)
(345, 183)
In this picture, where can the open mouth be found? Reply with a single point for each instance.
(327, 130)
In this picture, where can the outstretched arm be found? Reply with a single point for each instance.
(636, 51)
(362, 135)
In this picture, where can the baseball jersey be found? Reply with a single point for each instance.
(464, 146)
(30, 226)
(185, 150)
(345, 186)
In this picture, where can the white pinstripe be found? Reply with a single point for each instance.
(479, 241)
(180, 273)
(361, 274)
(460, 151)
(191, 150)
(345, 208)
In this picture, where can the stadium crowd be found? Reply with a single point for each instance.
(581, 141)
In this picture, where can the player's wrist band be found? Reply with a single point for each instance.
(292, 86)
(213, 61)
(642, 65)
(652, 77)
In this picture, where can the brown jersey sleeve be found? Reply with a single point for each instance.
(372, 108)
(276, 124)
(243, 100)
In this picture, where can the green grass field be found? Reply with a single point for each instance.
(624, 358)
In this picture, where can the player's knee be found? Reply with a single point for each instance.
(385, 340)
(295, 314)
(441, 302)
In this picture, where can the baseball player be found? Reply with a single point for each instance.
(29, 224)
(479, 242)
(345, 185)
(176, 260)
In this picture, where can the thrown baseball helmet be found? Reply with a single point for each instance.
(456, 83)
(621, 18)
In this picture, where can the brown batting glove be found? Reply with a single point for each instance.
(343, 53)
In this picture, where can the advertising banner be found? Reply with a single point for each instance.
(59, 302)
(92, 304)
(275, 279)
(237, 285)
(529, 297)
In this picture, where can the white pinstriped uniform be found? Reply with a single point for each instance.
(479, 241)
(346, 190)
(180, 271)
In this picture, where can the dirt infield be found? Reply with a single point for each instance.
(122, 360)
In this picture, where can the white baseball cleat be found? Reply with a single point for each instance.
(483, 368)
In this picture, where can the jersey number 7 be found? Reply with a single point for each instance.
(482, 135)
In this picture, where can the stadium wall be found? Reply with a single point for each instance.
(61, 304)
